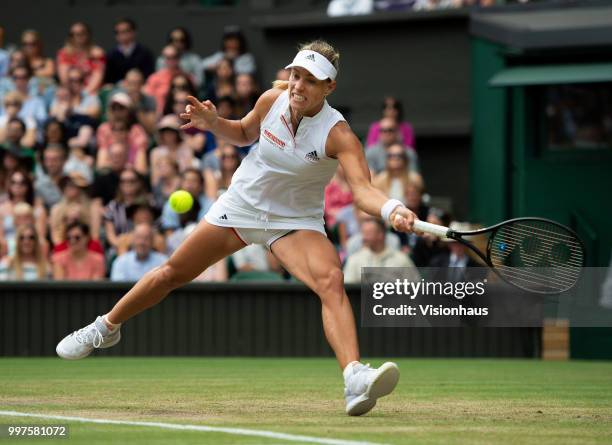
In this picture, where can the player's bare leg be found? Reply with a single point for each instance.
(317, 265)
(206, 245)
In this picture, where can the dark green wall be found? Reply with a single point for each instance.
(489, 166)
(251, 319)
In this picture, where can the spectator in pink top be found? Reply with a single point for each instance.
(78, 262)
(122, 126)
(392, 108)
(337, 196)
(158, 83)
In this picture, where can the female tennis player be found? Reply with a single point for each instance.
(276, 199)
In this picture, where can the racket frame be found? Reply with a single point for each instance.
(458, 236)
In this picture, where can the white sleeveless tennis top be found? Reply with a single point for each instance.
(280, 184)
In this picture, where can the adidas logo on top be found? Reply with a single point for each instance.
(311, 57)
(224, 216)
(312, 156)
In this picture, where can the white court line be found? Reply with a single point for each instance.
(203, 428)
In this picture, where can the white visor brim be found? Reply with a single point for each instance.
(315, 63)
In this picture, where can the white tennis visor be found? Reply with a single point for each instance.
(317, 64)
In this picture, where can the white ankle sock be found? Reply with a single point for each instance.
(113, 326)
(349, 369)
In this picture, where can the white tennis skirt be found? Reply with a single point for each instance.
(225, 212)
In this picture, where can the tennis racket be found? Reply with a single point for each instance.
(534, 254)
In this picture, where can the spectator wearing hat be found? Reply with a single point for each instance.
(122, 126)
(29, 261)
(48, 178)
(14, 154)
(132, 265)
(13, 106)
(376, 156)
(233, 47)
(192, 181)
(144, 105)
(75, 200)
(375, 253)
(171, 144)
(158, 84)
(78, 262)
(128, 54)
(142, 212)
(189, 62)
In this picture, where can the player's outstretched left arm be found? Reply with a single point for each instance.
(345, 146)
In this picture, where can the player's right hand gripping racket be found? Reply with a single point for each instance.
(534, 254)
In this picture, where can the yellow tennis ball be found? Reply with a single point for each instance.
(181, 201)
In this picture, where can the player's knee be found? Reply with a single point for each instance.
(330, 285)
(169, 277)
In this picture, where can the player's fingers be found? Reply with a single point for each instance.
(186, 126)
(185, 115)
(195, 102)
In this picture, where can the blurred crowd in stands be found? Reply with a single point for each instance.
(337, 8)
(91, 148)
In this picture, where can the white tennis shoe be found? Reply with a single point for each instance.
(81, 343)
(363, 385)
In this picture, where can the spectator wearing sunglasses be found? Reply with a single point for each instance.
(43, 67)
(122, 126)
(20, 190)
(189, 61)
(392, 108)
(376, 156)
(128, 54)
(159, 83)
(29, 261)
(80, 52)
(78, 262)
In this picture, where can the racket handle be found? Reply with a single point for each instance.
(434, 229)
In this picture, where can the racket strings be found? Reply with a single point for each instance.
(546, 236)
(536, 255)
(513, 241)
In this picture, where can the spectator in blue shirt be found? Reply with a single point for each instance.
(193, 182)
(131, 266)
